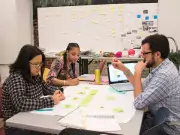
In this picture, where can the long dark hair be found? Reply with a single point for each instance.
(69, 47)
(27, 53)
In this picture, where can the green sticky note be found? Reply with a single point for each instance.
(86, 88)
(118, 110)
(81, 92)
(86, 100)
(93, 92)
(75, 98)
(110, 98)
(67, 106)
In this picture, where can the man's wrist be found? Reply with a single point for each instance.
(138, 73)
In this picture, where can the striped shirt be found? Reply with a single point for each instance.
(162, 89)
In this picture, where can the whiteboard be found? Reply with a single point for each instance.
(111, 27)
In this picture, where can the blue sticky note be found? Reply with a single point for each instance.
(147, 18)
(138, 16)
(155, 17)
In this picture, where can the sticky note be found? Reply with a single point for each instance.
(138, 16)
(81, 17)
(112, 8)
(118, 110)
(93, 92)
(146, 17)
(86, 100)
(86, 88)
(75, 98)
(81, 93)
(155, 17)
(110, 98)
(101, 107)
(120, 20)
(67, 106)
(95, 22)
(141, 34)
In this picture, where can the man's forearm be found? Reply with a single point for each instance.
(137, 84)
(129, 75)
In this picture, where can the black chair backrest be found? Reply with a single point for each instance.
(160, 118)
(73, 131)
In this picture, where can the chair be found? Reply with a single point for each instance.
(2, 132)
(160, 119)
(101, 65)
(45, 74)
(73, 131)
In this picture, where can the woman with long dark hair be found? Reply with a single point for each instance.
(24, 89)
(62, 72)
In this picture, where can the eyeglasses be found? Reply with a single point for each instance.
(36, 65)
(144, 53)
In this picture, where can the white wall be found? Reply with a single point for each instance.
(15, 30)
(169, 19)
(16, 25)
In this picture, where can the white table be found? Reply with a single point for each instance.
(49, 124)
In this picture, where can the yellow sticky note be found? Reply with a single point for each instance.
(117, 110)
(81, 17)
(73, 19)
(112, 8)
(120, 20)
(141, 34)
(113, 31)
(95, 22)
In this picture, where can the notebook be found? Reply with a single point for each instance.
(117, 79)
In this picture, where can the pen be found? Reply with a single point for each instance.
(45, 109)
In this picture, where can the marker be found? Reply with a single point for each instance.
(45, 109)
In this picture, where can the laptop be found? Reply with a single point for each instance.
(117, 79)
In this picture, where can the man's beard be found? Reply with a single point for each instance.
(151, 63)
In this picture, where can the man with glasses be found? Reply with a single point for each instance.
(162, 86)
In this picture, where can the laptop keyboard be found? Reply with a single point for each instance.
(122, 86)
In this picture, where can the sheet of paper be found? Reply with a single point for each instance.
(100, 98)
(90, 121)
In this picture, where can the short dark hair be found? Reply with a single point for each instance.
(158, 43)
(69, 47)
(21, 64)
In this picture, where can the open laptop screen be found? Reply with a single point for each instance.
(116, 76)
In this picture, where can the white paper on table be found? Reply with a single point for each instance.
(80, 119)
